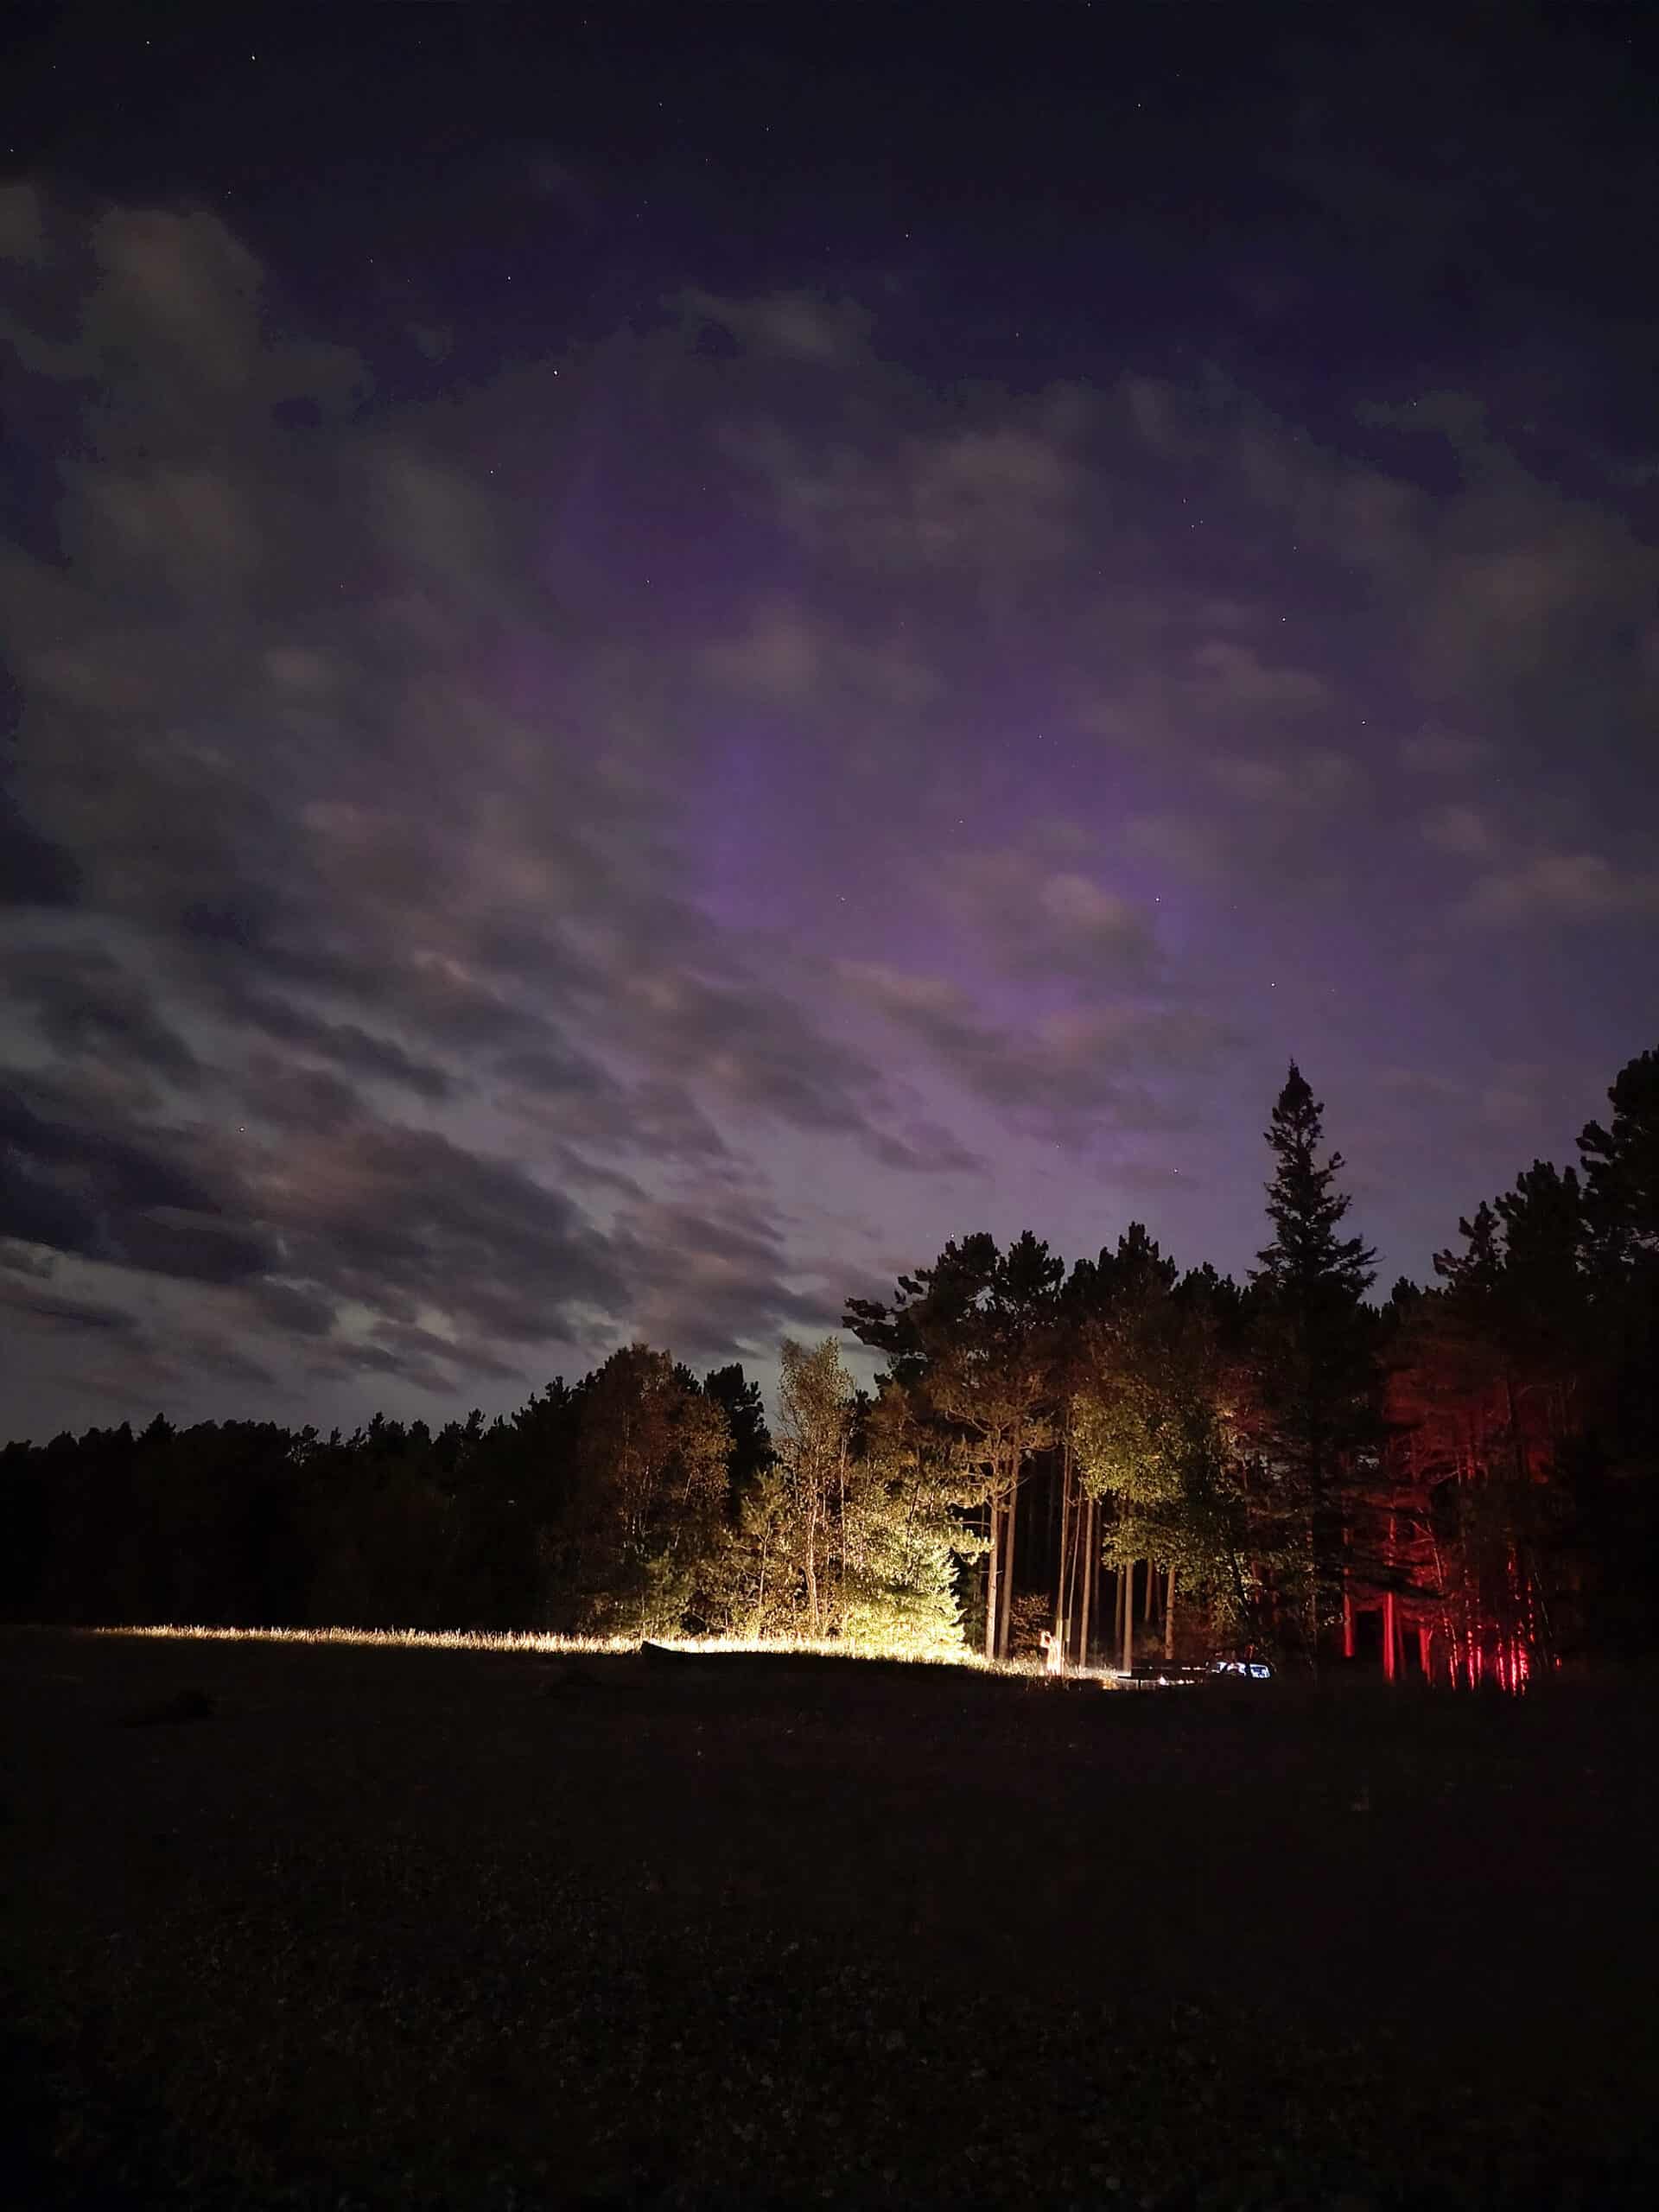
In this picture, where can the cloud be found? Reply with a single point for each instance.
(1463, 831)
(789, 657)
(23, 236)
(346, 1044)
(1042, 922)
(993, 503)
(33, 871)
(709, 1281)
(1228, 677)
(1310, 782)
(791, 326)
(149, 1200)
(85, 1004)
(1068, 1078)
(467, 868)
(384, 982)
(1434, 752)
(1555, 888)
(31, 1309)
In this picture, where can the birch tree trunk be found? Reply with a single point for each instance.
(1169, 1617)
(993, 1580)
(1086, 1566)
(1007, 1562)
(1127, 1573)
(812, 1560)
(1065, 1586)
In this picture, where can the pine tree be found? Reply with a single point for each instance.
(1622, 1165)
(1618, 1479)
(752, 1452)
(1317, 1417)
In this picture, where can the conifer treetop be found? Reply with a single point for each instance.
(1307, 1255)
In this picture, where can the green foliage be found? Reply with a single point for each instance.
(977, 1345)
(845, 1535)
(646, 1517)
(898, 1588)
(750, 1452)
(1148, 1429)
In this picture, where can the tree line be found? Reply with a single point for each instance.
(1144, 1465)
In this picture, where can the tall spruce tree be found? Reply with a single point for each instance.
(1618, 1477)
(1316, 1410)
(1622, 1165)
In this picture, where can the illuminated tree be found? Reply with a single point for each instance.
(975, 1341)
(902, 1536)
(1149, 1429)
(849, 1532)
(647, 1513)
(750, 1452)
(816, 1400)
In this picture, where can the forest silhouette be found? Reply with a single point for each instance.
(1147, 1467)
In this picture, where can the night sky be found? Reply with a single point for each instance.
(654, 661)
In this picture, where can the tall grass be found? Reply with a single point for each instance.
(465, 1639)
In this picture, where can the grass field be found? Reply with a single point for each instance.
(343, 1926)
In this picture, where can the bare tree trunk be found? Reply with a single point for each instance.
(1086, 1566)
(1169, 1617)
(1057, 1527)
(812, 1560)
(1006, 1637)
(1127, 1573)
(1068, 1554)
(1150, 1608)
(841, 1541)
(1101, 1575)
(993, 1563)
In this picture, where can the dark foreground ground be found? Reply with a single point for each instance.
(405, 1928)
